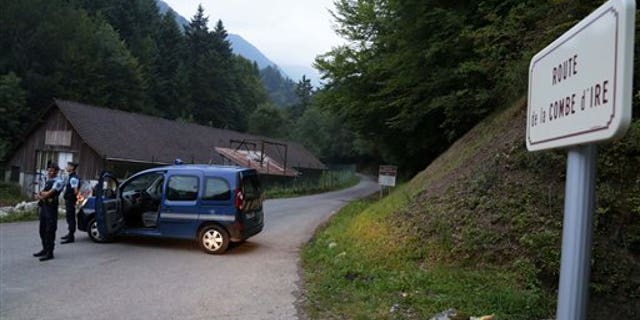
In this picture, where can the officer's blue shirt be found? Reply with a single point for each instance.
(58, 184)
(74, 182)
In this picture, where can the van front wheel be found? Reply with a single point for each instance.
(94, 233)
(213, 239)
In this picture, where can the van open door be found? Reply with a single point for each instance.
(109, 216)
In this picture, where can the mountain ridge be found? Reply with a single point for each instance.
(247, 50)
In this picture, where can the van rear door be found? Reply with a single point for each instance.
(252, 195)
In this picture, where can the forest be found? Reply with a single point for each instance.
(416, 75)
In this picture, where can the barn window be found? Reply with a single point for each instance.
(58, 138)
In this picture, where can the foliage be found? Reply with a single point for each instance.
(59, 51)
(416, 75)
(12, 108)
(10, 194)
(281, 90)
(270, 121)
(126, 55)
(324, 135)
(304, 92)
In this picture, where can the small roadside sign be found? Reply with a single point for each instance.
(387, 175)
(580, 86)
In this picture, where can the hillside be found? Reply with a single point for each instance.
(479, 230)
(504, 206)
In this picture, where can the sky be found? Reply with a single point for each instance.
(288, 32)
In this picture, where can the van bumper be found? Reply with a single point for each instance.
(241, 231)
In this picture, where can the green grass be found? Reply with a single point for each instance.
(329, 181)
(29, 215)
(360, 267)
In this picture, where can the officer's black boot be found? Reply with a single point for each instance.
(39, 253)
(65, 236)
(47, 256)
(68, 239)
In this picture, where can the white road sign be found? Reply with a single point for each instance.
(580, 85)
(387, 175)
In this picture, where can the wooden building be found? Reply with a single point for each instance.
(124, 142)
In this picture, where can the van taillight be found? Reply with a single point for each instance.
(239, 199)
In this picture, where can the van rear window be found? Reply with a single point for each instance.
(216, 189)
(251, 187)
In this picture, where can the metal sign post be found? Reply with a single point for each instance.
(576, 233)
(580, 94)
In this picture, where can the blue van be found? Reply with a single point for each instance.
(214, 205)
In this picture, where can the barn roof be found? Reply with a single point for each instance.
(120, 135)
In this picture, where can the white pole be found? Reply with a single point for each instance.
(573, 293)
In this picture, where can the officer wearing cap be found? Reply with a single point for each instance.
(48, 203)
(70, 198)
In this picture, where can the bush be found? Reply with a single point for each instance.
(10, 194)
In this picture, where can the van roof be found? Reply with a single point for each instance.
(203, 167)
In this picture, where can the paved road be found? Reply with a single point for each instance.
(164, 279)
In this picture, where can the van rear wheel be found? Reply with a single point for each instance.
(213, 239)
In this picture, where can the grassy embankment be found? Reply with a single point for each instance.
(480, 231)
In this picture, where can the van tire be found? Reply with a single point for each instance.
(94, 234)
(213, 239)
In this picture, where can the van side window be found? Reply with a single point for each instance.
(182, 188)
(216, 189)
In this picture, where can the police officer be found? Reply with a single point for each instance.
(70, 198)
(48, 202)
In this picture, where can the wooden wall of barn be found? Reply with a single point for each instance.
(25, 157)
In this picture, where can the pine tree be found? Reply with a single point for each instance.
(304, 91)
(165, 88)
(202, 62)
(249, 89)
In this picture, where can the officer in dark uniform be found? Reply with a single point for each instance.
(70, 198)
(48, 203)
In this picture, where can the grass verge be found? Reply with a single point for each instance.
(329, 181)
(29, 215)
(10, 195)
(360, 267)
